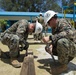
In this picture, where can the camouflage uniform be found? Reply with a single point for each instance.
(40, 19)
(15, 35)
(64, 41)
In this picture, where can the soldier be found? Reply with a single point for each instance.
(40, 19)
(16, 35)
(63, 39)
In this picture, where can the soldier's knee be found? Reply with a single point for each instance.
(15, 39)
(5, 38)
(14, 42)
(62, 45)
(62, 41)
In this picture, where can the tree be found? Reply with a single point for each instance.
(71, 1)
(30, 5)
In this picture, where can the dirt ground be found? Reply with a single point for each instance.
(42, 61)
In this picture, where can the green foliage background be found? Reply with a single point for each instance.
(34, 5)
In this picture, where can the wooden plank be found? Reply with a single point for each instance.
(28, 67)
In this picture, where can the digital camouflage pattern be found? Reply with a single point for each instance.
(40, 19)
(45, 27)
(64, 40)
(15, 35)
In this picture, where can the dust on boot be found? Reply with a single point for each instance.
(15, 63)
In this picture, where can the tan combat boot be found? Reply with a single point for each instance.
(59, 69)
(15, 63)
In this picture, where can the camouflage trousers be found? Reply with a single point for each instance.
(12, 41)
(65, 49)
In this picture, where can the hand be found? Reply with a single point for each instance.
(49, 48)
(45, 39)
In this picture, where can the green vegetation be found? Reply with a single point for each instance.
(3, 24)
(34, 5)
(30, 5)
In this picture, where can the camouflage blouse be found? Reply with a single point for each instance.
(19, 28)
(64, 29)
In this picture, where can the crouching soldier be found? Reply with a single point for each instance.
(63, 39)
(17, 35)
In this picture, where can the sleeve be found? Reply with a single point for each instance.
(21, 29)
(11, 29)
(56, 37)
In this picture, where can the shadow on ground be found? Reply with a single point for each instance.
(6, 58)
(48, 65)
